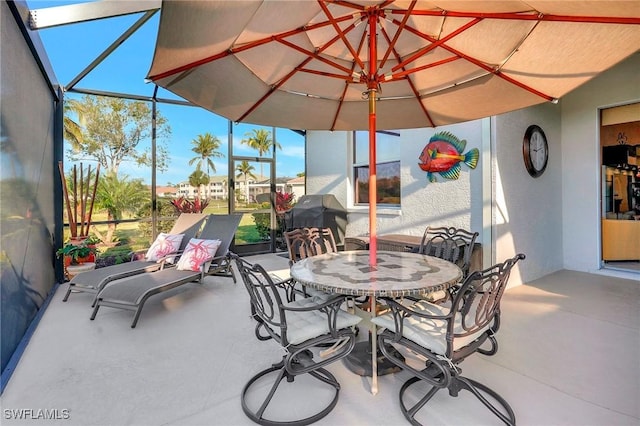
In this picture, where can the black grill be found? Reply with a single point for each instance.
(320, 211)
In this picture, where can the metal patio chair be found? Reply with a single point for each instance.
(446, 336)
(449, 243)
(452, 244)
(306, 242)
(299, 327)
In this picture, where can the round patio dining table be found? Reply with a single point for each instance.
(396, 274)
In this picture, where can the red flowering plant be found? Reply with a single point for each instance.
(187, 206)
(284, 201)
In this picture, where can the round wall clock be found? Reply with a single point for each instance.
(535, 150)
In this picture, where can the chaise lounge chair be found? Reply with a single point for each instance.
(93, 281)
(131, 293)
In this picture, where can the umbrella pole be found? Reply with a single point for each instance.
(373, 190)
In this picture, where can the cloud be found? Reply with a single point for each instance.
(292, 151)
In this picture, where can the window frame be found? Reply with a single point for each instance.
(380, 163)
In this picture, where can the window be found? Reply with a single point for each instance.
(388, 168)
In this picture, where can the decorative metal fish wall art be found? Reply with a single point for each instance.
(443, 155)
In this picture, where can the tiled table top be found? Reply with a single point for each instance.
(396, 273)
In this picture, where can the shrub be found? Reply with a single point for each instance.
(183, 205)
(165, 209)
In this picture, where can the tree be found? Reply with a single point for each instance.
(260, 140)
(73, 129)
(245, 169)
(197, 178)
(113, 130)
(206, 147)
(119, 195)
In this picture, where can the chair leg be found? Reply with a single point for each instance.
(224, 269)
(137, 315)
(66, 296)
(284, 376)
(409, 413)
(475, 387)
(458, 383)
(95, 310)
(141, 303)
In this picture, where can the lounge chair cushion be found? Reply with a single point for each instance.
(163, 245)
(196, 253)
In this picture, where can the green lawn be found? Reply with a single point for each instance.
(128, 233)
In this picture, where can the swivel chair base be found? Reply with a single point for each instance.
(458, 383)
(258, 415)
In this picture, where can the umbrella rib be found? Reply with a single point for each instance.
(517, 46)
(326, 74)
(409, 81)
(273, 88)
(345, 4)
(340, 103)
(524, 16)
(315, 56)
(434, 42)
(393, 42)
(357, 6)
(310, 56)
(342, 36)
(233, 50)
(402, 74)
(482, 65)
(499, 74)
(346, 85)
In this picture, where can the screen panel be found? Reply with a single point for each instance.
(27, 186)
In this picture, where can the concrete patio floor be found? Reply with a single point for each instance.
(569, 355)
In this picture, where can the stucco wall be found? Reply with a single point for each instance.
(581, 159)
(527, 211)
(447, 202)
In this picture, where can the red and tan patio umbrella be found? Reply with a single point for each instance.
(356, 65)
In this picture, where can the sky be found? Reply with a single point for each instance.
(71, 48)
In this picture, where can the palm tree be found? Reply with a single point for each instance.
(260, 140)
(72, 129)
(198, 178)
(117, 196)
(245, 169)
(206, 147)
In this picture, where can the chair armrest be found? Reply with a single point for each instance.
(288, 285)
(321, 304)
(421, 309)
(136, 254)
(418, 309)
(336, 318)
(165, 259)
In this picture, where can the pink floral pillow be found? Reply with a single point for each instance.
(164, 245)
(196, 253)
